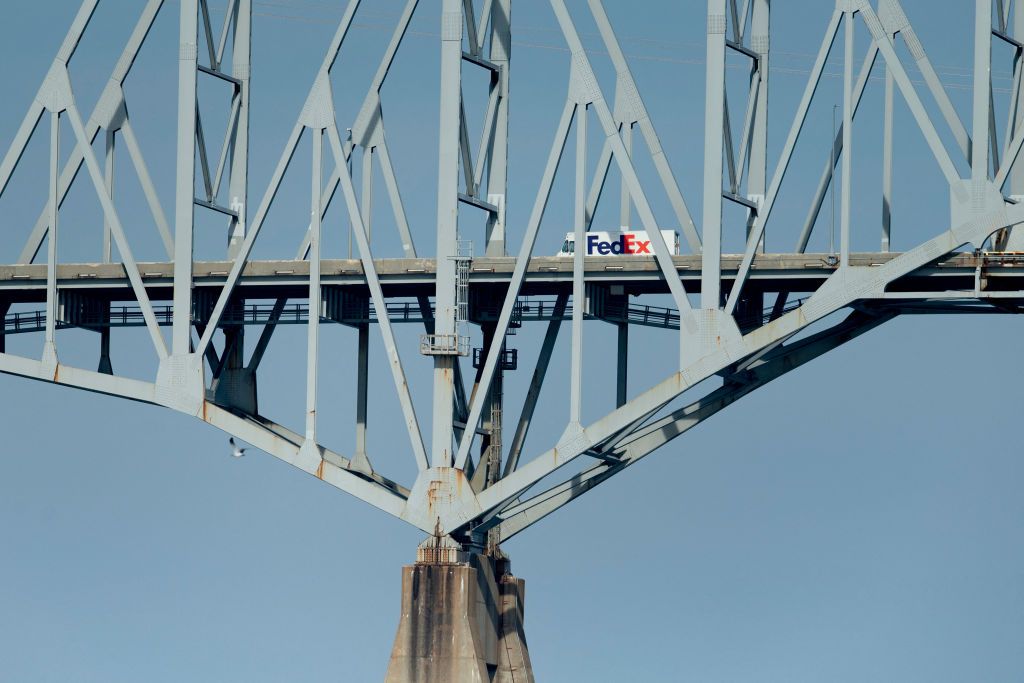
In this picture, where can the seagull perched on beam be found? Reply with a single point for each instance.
(235, 450)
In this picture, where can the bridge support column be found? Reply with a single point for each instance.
(462, 620)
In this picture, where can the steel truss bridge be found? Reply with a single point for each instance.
(739, 320)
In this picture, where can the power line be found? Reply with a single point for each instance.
(943, 71)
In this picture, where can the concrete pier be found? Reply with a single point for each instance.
(461, 622)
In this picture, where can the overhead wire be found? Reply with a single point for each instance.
(943, 71)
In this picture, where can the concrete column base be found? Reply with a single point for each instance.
(462, 622)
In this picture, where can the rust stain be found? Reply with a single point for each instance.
(56, 373)
(320, 470)
(206, 417)
(434, 495)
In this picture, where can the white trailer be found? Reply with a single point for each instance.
(623, 242)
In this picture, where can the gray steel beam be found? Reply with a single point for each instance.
(622, 365)
(50, 344)
(847, 197)
(760, 40)
(313, 326)
(499, 13)
(714, 113)
(906, 87)
(887, 148)
(982, 86)
(536, 383)
(1015, 239)
(241, 69)
(184, 205)
(931, 78)
(579, 292)
(362, 389)
(268, 331)
(452, 21)
(108, 169)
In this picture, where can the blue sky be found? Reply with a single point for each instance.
(855, 520)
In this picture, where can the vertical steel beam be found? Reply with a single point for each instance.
(714, 112)
(982, 83)
(109, 176)
(622, 369)
(238, 188)
(50, 345)
(887, 140)
(366, 198)
(105, 365)
(497, 168)
(313, 326)
(625, 203)
(757, 174)
(579, 292)
(447, 226)
(362, 384)
(844, 229)
(184, 208)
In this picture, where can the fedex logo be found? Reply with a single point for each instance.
(627, 243)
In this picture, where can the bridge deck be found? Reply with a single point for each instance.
(545, 275)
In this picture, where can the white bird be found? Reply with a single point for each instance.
(236, 451)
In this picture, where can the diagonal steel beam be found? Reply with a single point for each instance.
(377, 294)
(245, 249)
(516, 282)
(536, 383)
(520, 516)
(643, 120)
(611, 131)
(35, 111)
(110, 213)
(74, 162)
(783, 165)
(837, 147)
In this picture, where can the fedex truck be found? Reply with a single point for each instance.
(623, 242)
